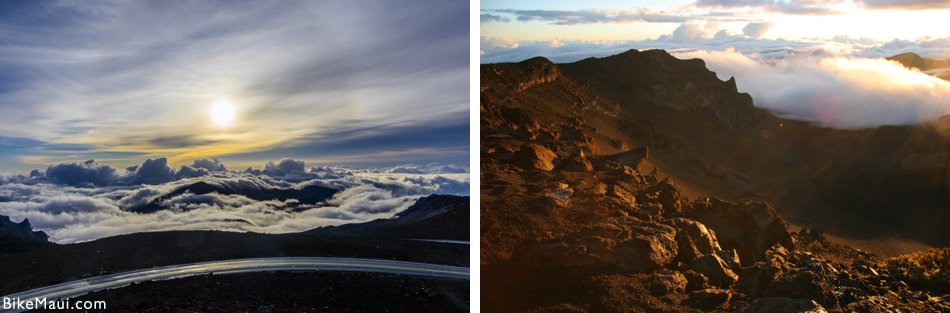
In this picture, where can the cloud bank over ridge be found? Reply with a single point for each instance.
(89, 200)
(839, 82)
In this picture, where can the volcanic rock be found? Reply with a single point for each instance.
(534, 156)
(626, 244)
(694, 239)
(714, 268)
(749, 227)
(784, 305)
(708, 299)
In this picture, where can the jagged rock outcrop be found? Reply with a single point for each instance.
(23, 229)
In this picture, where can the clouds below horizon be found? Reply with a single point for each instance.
(834, 91)
(70, 212)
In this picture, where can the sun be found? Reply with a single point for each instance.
(222, 113)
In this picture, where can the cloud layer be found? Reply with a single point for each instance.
(88, 200)
(835, 91)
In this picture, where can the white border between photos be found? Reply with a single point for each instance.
(475, 164)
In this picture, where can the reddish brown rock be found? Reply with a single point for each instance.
(626, 244)
(714, 268)
(708, 299)
(534, 156)
(694, 239)
(749, 227)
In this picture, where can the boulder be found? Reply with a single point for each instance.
(784, 305)
(750, 227)
(694, 239)
(661, 284)
(665, 193)
(708, 299)
(623, 195)
(802, 284)
(576, 163)
(757, 277)
(731, 257)
(632, 158)
(534, 156)
(695, 281)
(714, 268)
(622, 244)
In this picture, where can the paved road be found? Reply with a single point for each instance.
(81, 287)
(457, 242)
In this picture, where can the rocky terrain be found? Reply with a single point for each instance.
(290, 292)
(640, 182)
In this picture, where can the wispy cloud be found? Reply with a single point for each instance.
(140, 77)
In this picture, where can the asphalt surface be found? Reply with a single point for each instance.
(81, 287)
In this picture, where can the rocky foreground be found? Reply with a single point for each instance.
(612, 239)
(575, 217)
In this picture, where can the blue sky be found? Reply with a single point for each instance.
(362, 83)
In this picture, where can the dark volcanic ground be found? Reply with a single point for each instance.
(290, 292)
(57, 264)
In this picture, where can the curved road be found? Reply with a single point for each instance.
(81, 287)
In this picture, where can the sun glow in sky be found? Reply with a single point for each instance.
(222, 112)
(325, 81)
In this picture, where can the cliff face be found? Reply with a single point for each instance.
(576, 216)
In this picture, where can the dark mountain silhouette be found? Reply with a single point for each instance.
(432, 217)
(23, 229)
(20, 237)
(914, 60)
(641, 180)
(307, 195)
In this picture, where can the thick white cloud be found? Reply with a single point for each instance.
(937, 48)
(71, 212)
(834, 91)
(496, 43)
(431, 168)
(284, 167)
(691, 32)
(756, 30)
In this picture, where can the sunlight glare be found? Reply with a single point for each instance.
(222, 113)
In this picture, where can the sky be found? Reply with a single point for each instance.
(788, 19)
(820, 61)
(374, 83)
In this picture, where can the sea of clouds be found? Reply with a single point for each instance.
(83, 201)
